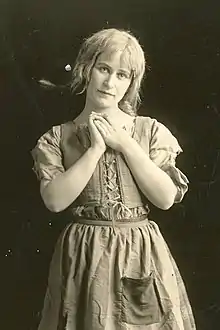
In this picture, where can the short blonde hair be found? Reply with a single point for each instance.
(111, 40)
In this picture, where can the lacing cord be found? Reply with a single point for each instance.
(111, 184)
(114, 215)
(112, 204)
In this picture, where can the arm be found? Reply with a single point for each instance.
(155, 184)
(61, 191)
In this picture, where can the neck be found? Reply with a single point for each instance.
(112, 112)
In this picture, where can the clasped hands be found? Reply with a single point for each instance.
(104, 130)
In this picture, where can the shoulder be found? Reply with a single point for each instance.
(148, 126)
(152, 126)
(56, 131)
(157, 133)
(146, 120)
(52, 133)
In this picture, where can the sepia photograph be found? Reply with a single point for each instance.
(110, 157)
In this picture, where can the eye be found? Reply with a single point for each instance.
(103, 69)
(123, 75)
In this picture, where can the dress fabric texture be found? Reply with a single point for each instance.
(111, 268)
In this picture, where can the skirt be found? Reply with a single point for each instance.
(114, 278)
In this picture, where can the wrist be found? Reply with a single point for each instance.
(126, 144)
(96, 151)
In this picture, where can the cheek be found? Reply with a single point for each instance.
(124, 87)
(92, 83)
(96, 77)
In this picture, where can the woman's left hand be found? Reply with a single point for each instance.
(114, 136)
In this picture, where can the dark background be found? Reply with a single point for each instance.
(182, 40)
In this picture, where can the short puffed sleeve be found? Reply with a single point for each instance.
(164, 149)
(47, 155)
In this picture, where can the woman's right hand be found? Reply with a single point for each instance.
(97, 141)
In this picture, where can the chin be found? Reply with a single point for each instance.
(104, 105)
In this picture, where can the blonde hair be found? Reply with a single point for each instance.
(111, 40)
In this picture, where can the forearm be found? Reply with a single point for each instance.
(59, 193)
(155, 184)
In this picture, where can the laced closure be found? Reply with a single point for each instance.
(111, 207)
(111, 192)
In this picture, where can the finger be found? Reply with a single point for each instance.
(102, 129)
(97, 113)
(91, 121)
(108, 119)
(95, 116)
(104, 122)
(92, 124)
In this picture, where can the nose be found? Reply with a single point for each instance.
(109, 81)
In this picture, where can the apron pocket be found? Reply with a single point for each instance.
(140, 303)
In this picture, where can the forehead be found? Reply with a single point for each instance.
(116, 59)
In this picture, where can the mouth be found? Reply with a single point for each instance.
(105, 93)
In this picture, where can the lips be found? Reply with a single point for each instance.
(105, 93)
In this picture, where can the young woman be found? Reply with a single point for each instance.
(111, 268)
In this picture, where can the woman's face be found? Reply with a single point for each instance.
(110, 79)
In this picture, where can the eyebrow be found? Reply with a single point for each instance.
(122, 70)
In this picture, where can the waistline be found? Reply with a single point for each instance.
(130, 222)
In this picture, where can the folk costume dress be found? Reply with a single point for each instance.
(111, 268)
